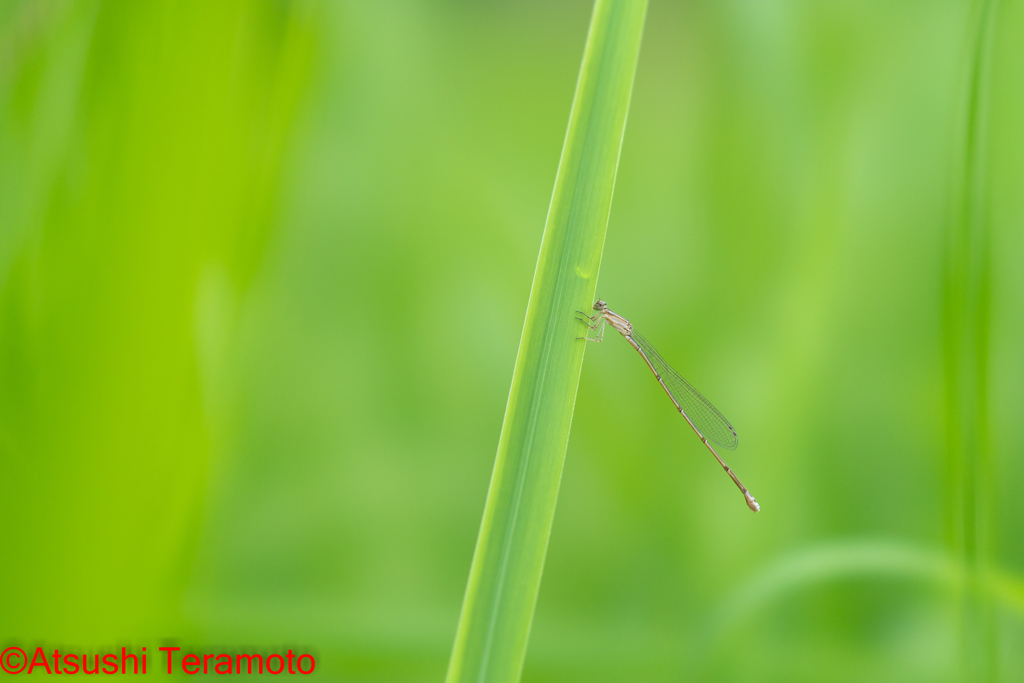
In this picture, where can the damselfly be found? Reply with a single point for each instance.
(703, 418)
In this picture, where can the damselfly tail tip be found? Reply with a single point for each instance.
(751, 503)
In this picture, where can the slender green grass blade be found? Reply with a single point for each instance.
(509, 558)
(966, 337)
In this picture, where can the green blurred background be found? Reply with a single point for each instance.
(263, 271)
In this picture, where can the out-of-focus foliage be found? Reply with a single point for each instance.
(263, 271)
(139, 170)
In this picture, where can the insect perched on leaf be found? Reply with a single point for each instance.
(709, 424)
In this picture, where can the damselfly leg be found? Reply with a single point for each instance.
(597, 326)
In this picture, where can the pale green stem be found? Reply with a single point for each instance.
(966, 340)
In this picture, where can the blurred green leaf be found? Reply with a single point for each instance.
(142, 147)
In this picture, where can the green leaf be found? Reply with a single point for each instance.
(509, 558)
(966, 336)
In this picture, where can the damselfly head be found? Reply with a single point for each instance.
(600, 306)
